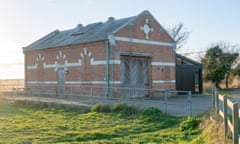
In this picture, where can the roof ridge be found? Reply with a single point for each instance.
(85, 29)
(92, 32)
(132, 18)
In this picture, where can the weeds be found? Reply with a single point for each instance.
(153, 114)
(125, 110)
(104, 108)
(189, 124)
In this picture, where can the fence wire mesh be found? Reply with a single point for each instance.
(169, 101)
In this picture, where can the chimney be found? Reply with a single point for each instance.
(111, 19)
(79, 25)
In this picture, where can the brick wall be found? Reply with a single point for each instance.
(79, 58)
(71, 54)
(133, 29)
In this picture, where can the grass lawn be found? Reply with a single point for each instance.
(41, 123)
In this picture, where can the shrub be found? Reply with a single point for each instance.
(189, 124)
(125, 109)
(119, 107)
(104, 108)
(153, 114)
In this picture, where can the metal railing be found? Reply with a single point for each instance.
(169, 101)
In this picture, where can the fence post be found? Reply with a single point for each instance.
(190, 102)
(213, 95)
(216, 102)
(91, 103)
(225, 116)
(166, 100)
(235, 123)
(71, 99)
(122, 92)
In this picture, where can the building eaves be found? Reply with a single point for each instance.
(78, 35)
(189, 60)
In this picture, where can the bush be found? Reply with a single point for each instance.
(103, 108)
(153, 114)
(125, 109)
(119, 107)
(189, 124)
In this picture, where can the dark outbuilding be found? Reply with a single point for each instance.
(188, 74)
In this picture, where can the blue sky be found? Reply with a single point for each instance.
(24, 21)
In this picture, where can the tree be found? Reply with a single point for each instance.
(217, 65)
(179, 34)
(236, 71)
(228, 60)
(211, 66)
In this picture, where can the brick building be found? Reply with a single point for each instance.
(133, 52)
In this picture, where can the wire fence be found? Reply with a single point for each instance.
(9, 85)
(170, 101)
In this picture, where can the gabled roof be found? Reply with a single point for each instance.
(82, 34)
(78, 35)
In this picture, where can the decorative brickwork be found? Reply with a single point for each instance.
(96, 63)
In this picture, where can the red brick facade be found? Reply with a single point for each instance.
(86, 63)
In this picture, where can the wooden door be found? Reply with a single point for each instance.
(61, 81)
(135, 75)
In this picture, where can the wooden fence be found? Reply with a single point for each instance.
(225, 108)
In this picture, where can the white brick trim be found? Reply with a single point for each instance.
(71, 82)
(49, 65)
(41, 82)
(91, 82)
(163, 64)
(142, 41)
(76, 64)
(32, 67)
(104, 62)
(79, 63)
(163, 81)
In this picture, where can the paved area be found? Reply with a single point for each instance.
(178, 105)
(235, 95)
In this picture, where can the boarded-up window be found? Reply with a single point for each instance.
(134, 71)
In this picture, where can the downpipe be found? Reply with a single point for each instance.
(107, 70)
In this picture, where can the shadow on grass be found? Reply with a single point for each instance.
(69, 125)
(130, 127)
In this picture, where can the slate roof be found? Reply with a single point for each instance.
(81, 34)
(189, 60)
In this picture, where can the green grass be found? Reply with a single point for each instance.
(41, 123)
(230, 118)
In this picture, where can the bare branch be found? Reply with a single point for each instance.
(179, 34)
